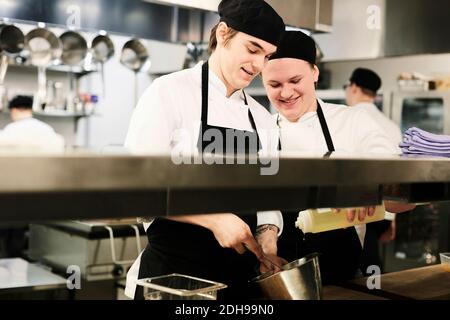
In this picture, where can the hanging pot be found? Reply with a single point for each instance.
(44, 47)
(12, 42)
(102, 49)
(135, 57)
(74, 48)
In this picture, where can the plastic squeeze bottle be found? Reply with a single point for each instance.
(320, 220)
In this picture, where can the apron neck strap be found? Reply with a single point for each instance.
(325, 131)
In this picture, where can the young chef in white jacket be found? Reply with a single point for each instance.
(308, 124)
(209, 96)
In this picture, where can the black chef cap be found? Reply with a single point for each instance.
(253, 17)
(366, 79)
(296, 45)
(22, 102)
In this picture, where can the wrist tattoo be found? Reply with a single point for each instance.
(265, 227)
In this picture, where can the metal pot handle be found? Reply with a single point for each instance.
(3, 68)
(42, 86)
(113, 247)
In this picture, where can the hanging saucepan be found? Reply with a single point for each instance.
(102, 49)
(44, 47)
(12, 42)
(135, 57)
(74, 50)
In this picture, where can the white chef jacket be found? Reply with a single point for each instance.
(31, 134)
(390, 127)
(167, 118)
(352, 130)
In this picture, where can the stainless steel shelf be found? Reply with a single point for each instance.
(79, 70)
(56, 114)
(89, 186)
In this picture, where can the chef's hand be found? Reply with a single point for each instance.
(271, 263)
(389, 234)
(228, 229)
(232, 232)
(361, 213)
(398, 207)
(267, 237)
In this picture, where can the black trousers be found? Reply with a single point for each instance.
(340, 250)
(176, 247)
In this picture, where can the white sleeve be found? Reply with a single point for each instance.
(152, 122)
(270, 217)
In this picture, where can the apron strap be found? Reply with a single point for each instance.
(250, 116)
(205, 89)
(325, 131)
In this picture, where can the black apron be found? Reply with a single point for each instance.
(176, 247)
(339, 250)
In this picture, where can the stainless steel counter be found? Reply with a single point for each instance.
(94, 186)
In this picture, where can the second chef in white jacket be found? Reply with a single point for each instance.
(307, 124)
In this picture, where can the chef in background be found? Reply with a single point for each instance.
(360, 93)
(28, 133)
(308, 124)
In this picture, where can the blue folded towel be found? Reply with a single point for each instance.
(418, 141)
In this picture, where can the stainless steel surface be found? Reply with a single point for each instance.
(16, 273)
(99, 256)
(377, 29)
(91, 172)
(299, 280)
(46, 187)
(314, 15)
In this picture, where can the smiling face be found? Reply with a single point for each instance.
(290, 86)
(241, 58)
